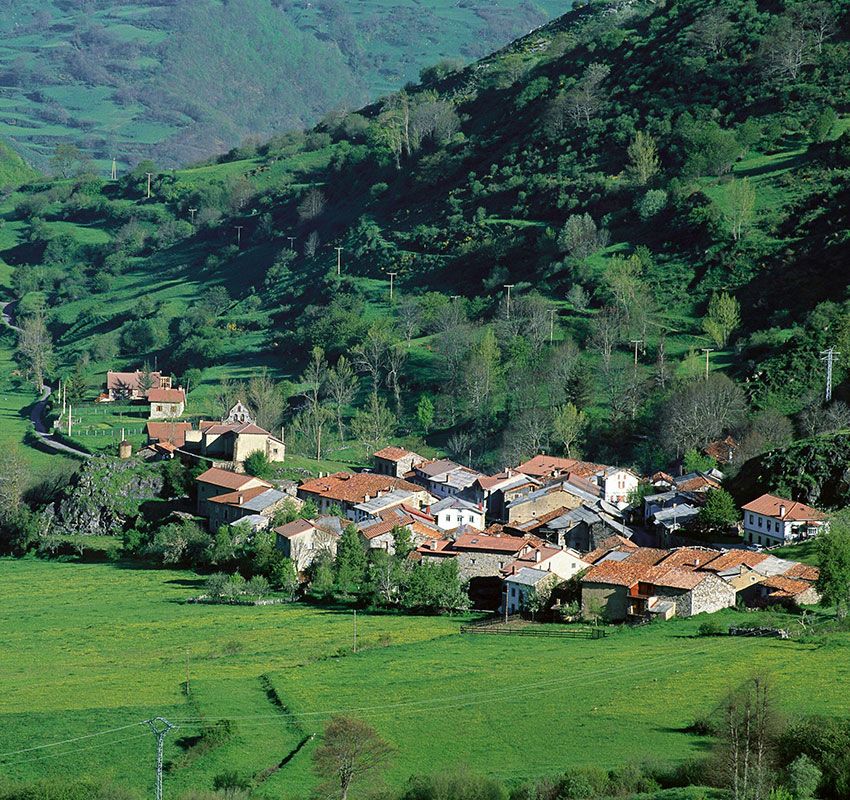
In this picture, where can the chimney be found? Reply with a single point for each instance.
(241, 499)
(782, 511)
(537, 556)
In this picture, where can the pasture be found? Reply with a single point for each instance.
(92, 648)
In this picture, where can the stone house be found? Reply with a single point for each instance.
(302, 541)
(215, 482)
(350, 491)
(230, 507)
(395, 461)
(234, 441)
(134, 385)
(521, 586)
(445, 478)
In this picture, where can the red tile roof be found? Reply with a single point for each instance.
(294, 528)
(393, 453)
(351, 487)
(803, 572)
(166, 396)
(769, 505)
(227, 479)
(544, 466)
(239, 497)
(689, 557)
(624, 573)
(734, 558)
(492, 544)
(174, 432)
(129, 381)
(385, 526)
(646, 555)
(785, 587)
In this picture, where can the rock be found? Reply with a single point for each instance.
(105, 495)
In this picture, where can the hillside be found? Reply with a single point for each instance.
(659, 177)
(178, 81)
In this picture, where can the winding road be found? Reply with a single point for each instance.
(37, 412)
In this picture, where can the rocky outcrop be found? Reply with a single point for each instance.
(105, 495)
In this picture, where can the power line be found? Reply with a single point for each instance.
(69, 741)
(74, 752)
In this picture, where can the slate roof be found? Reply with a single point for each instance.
(528, 576)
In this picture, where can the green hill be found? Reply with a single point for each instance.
(619, 168)
(13, 169)
(177, 81)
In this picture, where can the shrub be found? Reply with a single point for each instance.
(711, 628)
(652, 204)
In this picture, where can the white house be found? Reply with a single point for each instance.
(618, 484)
(452, 512)
(520, 589)
(771, 520)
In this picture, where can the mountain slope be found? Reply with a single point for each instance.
(613, 167)
(177, 81)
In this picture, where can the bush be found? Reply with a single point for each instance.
(652, 204)
(258, 465)
(711, 628)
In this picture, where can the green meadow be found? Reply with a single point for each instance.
(91, 650)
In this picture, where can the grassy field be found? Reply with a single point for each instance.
(111, 646)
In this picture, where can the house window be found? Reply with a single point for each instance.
(760, 522)
(751, 519)
(159, 408)
(513, 591)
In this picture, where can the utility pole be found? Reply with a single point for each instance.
(188, 690)
(150, 175)
(291, 242)
(239, 235)
(636, 342)
(338, 260)
(392, 276)
(192, 215)
(828, 356)
(69, 419)
(114, 175)
(160, 726)
(355, 630)
(551, 325)
(509, 286)
(707, 351)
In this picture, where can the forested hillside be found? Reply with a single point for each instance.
(651, 180)
(180, 79)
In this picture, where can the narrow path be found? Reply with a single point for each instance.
(8, 318)
(37, 419)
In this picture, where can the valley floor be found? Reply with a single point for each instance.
(97, 649)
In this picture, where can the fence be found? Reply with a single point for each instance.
(499, 627)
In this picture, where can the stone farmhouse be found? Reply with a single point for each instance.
(304, 540)
(613, 484)
(234, 438)
(395, 461)
(361, 495)
(133, 385)
(445, 478)
(629, 583)
(226, 497)
(166, 403)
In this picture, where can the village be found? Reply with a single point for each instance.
(557, 538)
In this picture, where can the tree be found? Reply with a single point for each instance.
(606, 332)
(370, 356)
(350, 751)
(395, 358)
(65, 158)
(712, 32)
(35, 348)
(740, 207)
(374, 424)
(285, 578)
(700, 411)
(425, 413)
(643, 159)
(581, 237)
(747, 736)
(723, 318)
(342, 384)
(258, 465)
(694, 461)
(435, 587)
(833, 548)
(819, 18)
(823, 125)
(568, 425)
(786, 48)
(719, 512)
(350, 561)
(585, 99)
(266, 399)
(312, 205)
(804, 776)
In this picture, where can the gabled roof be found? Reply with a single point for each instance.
(392, 453)
(493, 544)
(769, 505)
(129, 381)
(437, 467)
(374, 529)
(239, 498)
(355, 487)
(294, 528)
(691, 557)
(785, 587)
(543, 466)
(528, 576)
(227, 479)
(803, 572)
(647, 555)
(454, 503)
(157, 395)
(174, 432)
(732, 559)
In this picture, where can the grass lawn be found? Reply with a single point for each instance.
(110, 646)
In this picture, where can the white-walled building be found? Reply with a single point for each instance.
(770, 520)
(452, 512)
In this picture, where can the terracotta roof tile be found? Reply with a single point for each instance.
(769, 505)
(351, 487)
(166, 396)
(294, 528)
(646, 555)
(691, 557)
(786, 587)
(174, 432)
(239, 497)
(393, 453)
(495, 544)
(227, 479)
(803, 572)
(734, 558)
